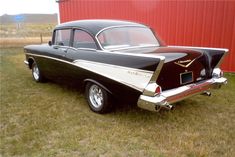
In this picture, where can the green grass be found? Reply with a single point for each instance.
(54, 120)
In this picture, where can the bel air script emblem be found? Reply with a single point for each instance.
(185, 63)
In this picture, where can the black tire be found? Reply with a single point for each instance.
(98, 99)
(36, 73)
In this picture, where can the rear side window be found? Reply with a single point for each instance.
(62, 37)
(83, 39)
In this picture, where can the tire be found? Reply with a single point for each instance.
(36, 73)
(98, 99)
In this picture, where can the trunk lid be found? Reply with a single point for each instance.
(181, 66)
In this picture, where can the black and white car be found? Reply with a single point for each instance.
(126, 61)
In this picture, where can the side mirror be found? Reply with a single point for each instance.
(49, 43)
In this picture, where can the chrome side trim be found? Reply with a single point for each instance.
(73, 48)
(206, 48)
(105, 51)
(133, 47)
(138, 55)
(43, 56)
(139, 78)
(86, 49)
(158, 69)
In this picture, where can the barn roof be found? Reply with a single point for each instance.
(94, 26)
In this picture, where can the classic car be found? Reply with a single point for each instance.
(123, 60)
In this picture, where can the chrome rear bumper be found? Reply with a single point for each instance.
(163, 100)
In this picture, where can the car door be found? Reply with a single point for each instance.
(83, 46)
(56, 64)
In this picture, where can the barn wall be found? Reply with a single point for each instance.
(192, 23)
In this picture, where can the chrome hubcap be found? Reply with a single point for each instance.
(35, 72)
(96, 96)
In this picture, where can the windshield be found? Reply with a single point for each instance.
(127, 37)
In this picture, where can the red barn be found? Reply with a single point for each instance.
(191, 23)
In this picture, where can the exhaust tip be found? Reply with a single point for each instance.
(170, 107)
(206, 93)
(165, 105)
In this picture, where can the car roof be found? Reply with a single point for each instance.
(94, 26)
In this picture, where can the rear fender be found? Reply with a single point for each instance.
(152, 85)
(99, 84)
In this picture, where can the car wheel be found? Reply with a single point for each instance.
(37, 76)
(98, 98)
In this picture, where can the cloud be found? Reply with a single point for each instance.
(28, 6)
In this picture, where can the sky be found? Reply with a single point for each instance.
(13, 7)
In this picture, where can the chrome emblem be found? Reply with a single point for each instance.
(185, 63)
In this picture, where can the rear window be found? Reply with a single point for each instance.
(127, 37)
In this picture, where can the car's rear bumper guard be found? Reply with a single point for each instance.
(168, 97)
